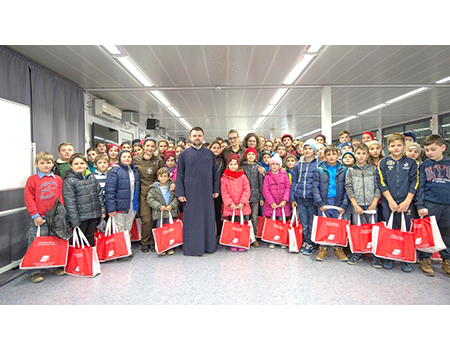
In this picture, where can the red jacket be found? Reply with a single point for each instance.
(235, 191)
(40, 194)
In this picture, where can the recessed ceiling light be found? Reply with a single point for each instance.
(314, 48)
(278, 96)
(268, 109)
(174, 111)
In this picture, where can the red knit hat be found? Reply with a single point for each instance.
(233, 156)
(168, 155)
(369, 133)
(113, 145)
(287, 135)
(251, 149)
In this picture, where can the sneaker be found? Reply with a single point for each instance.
(152, 248)
(354, 259)
(425, 266)
(233, 249)
(283, 247)
(339, 253)
(377, 263)
(322, 254)
(406, 267)
(163, 253)
(59, 271)
(446, 266)
(272, 246)
(145, 249)
(388, 264)
(242, 249)
(309, 249)
(36, 278)
(302, 250)
(171, 252)
(256, 244)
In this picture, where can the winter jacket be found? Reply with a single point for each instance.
(399, 177)
(147, 169)
(302, 180)
(255, 179)
(155, 200)
(83, 197)
(118, 189)
(229, 150)
(321, 182)
(434, 183)
(221, 164)
(276, 188)
(173, 173)
(361, 184)
(235, 191)
(61, 168)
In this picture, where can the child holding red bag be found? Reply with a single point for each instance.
(235, 191)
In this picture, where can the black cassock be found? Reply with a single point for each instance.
(197, 179)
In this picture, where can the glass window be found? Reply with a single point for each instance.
(421, 129)
(445, 132)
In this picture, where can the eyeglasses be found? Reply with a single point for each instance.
(232, 138)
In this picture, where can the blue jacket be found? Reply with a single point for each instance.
(117, 189)
(302, 179)
(321, 181)
(399, 177)
(434, 183)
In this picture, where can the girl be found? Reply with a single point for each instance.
(163, 145)
(268, 146)
(375, 152)
(171, 165)
(171, 146)
(319, 138)
(413, 151)
(216, 148)
(83, 197)
(288, 140)
(367, 137)
(276, 190)
(320, 152)
(113, 152)
(235, 191)
(252, 140)
(178, 150)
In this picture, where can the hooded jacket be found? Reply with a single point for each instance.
(361, 184)
(276, 188)
(321, 183)
(302, 179)
(235, 191)
(155, 200)
(255, 179)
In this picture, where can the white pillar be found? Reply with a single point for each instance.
(434, 124)
(326, 113)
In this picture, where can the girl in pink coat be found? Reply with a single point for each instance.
(235, 191)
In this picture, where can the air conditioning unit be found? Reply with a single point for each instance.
(131, 117)
(105, 110)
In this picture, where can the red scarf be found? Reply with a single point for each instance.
(233, 174)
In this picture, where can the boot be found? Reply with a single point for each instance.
(446, 266)
(339, 253)
(322, 254)
(425, 266)
(256, 244)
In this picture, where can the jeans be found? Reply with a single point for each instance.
(365, 218)
(33, 232)
(254, 216)
(306, 212)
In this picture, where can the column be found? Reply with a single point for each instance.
(326, 113)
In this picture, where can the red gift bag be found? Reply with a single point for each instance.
(180, 216)
(168, 236)
(113, 245)
(82, 260)
(259, 230)
(295, 234)
(360, 235)
(236, 234)
(427, 236)
(136, 230)
(329, 231)
(276, 232)
(45, 252)
(393, 244)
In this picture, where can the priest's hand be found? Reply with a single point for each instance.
(182, 199)
(215, 195)
(423, 212)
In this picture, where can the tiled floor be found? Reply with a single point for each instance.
(259, 276)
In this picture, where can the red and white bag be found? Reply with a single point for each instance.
(393, 244)
(45, 252)
(295, 234)
(360, 235)
(136, 230)
(329, 231)
(276, 232)
(237, 234)
(168, 236)
(427, 236)
(82, 260)
(113, 244)
(259, 230)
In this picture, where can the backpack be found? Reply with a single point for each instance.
(58, 221)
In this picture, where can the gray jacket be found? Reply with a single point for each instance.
(256, 181)
(156, 200)
(361, 184)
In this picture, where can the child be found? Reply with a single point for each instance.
(345, 146)
(181, 148)
(299, 150)
(320, 154)
(291, 160)
(62, 165)
(102, 164)
(162, 147)
(171, 146)
(100, 147)
(266, 156)
(344, 136)
(125, 146)
(171, 165)
(375, 152)
(280, 149)
(329, 189)
(91, 154)
(413, 151)
(40, 194)
(355, 143)
(161, 199)
(287, 140)
(367, 136)
(319, 138)
(268, 145)
(83, 197)
(398, 179)
(250, 167)
(409, 136)
(362, 190)
(348, 159)
(301, 195)
(137, 147)
(122, 191)
(113, 152)
(432, 197)
(235, 191)
(276, 191)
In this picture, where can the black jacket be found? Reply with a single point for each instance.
(255, 179)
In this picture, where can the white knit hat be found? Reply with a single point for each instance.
(276, 159)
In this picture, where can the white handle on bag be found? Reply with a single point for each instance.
(110, 226)
(282, 211)
(368, 212)
(38, 233)
(83, 238)
(170, 219)
(294, 217)
(241, 215)
(391, 222)
(332, 207)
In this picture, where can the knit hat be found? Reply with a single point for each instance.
(122, 152)
(368, 133)
(373, 142)
(287, 135)
(346, 143)
(263, 153)
(322, 136)
(410, 134)
(311, 143)
(168, 155)
(135, 141)
(349, 152)
(113, 145)
(233, 157)
(251, 149)
(276, 159)
(410, 145)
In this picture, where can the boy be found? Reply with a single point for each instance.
(355, 143)
(91, 154)
(125, 145)
(62, 165)
(102, 164)
(290, 164)
(301, 195)
(329, 189)
(398, 179)
(281, 150)
(100, 147)
(344, 136)
(348, 159)
(433, 198)
(266, 156)
(345, 146)
(362, 190)
(41, 192)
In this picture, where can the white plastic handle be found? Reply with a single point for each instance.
(332, 207)
(294, 217)
(83, 238)
(273, 215)
(391, 222)
(241, 216)
(38, 233)
(368, 212)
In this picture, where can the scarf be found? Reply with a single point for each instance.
(233, 174)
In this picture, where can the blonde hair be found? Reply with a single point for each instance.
(395, 137)
(45, 156)
(101, 156)
(64, 144)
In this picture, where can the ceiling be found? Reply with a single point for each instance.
(252, 66)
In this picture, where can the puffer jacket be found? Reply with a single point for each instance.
(361, 184)
(321, 182)
(83, 197)
(235, 191)
(302, 180)
(147, 169)
(156, 200)
(276, 188)
(255, 179)
(118, 189)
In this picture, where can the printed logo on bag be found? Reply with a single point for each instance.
(45, 258)
(165, 232)
(278, 227)
(331, 237)
(396, 252)
(276, 238)
(418, 241)
(366, 232)
(172, 241)
(110, 253)
(235, 240)
(77, 269)
(236, 229)
(398, 238)
(334, 224)
(369, 245)
(416, 226)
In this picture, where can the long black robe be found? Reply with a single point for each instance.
(197, 179)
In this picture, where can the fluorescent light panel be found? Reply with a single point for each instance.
(278, 96)
(268, 109)
(174, 111)
(344, 120)
(131, 67)
(372, 109)
(409, 94)
(161, 98)
(311, 132)
(314, 48)
(443, 80)
(298, 69)
(112, 49)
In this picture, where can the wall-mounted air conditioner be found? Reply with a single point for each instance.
(104, 109)
(130, 117)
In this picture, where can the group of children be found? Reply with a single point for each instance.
(138, 179)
